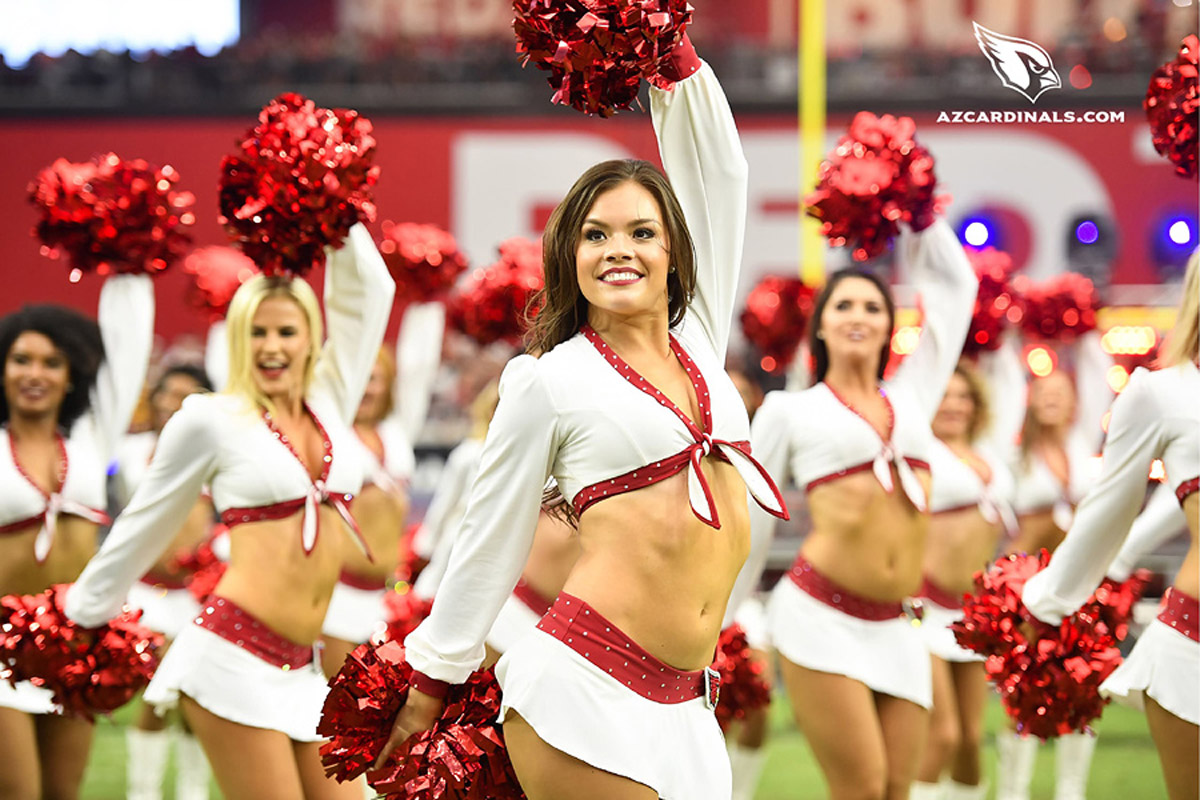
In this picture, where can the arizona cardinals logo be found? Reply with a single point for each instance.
(1022, 65)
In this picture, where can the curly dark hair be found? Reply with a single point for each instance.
(77, 336)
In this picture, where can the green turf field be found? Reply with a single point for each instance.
(1125, 767)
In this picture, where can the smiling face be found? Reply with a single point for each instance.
(623, 255)
(374, 402)
(280, 347)
(36, 376)
(956, 415)
(855, 324)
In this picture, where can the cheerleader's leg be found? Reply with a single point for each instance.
(20, 776)
(1177, 741)
(64, 744)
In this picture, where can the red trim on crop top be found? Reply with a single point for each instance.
(915, 463)
(317, 490)
(581, 628)
(535, 602)
(1181, 612)
(56, 504)
(812, 582)
(704, 444)
(162, 582)
(1188, 487)
(361, 582)
(234, 624)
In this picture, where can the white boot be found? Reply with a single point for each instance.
(964, 791)
(1072, 762)
(1015, 769)
(145, 763)
(747, 765)
(921, 790)
(192, 772)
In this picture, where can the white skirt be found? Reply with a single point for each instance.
(515, 621)
(354, 615)
(935, 630)
(166, 611)
(752, 616)
(238, 686)
(577, 708)
(27, 698)
(1164, 664)
(888, 656)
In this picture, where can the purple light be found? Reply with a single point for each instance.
(1087, 232)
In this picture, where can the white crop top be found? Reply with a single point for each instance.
(956, 485)
(228, 443)
(1157, 416)
(126, 319)
(578, 413)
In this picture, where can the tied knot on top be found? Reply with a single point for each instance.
(704, 444)
(56, 505)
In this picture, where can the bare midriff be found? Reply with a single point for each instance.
(271, 577)
(74, 544)
(555, 550)
(662, 576)
(1187, 580)
(960, 543)
(866, 539)
(380, 515)
(1037, 530)
(195, 528)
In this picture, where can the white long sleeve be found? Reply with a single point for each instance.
(1136, 436)
(771, 443)
(418, 356)
(1093, 394)
(126, 318)
(946, 282)
(184, 459)
(702, 155)
(216, 355)
(1004, 376)
(358, 302)
(497, 531)
(1161, 520)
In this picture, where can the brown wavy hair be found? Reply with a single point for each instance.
(816, 345)
(561, 308)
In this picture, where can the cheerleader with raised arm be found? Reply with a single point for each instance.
(855, 668)
(166, 602)
(278, 453)
(970, 506)
(70, 389)
(627, 406)
(1154, 417)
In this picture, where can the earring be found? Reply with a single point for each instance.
(821, 335)
(671, 270)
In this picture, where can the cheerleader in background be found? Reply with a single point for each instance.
(278, 453)
(1052, 469)
(389, 418)
(856, 670)
(627, 405)
(970, 510)
(435, 537)
(167, 604)
(1154, 417)
(70, 389)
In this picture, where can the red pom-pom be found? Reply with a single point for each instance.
(1115, 601)
(993, 301)
(463, 756)
(490, 305)
(203, 566)
(110, 215)
(1060, 309)
(218, 271)
(424, 260)
(303, 179)
(90, 671)
(598, 51)
(1171, 107)
(876, 177)
(745, 685)
(775, 318)
(403, 612)
(362, 703)
(1049, 685)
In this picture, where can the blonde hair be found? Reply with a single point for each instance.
(1184, 342)
(240, 319)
